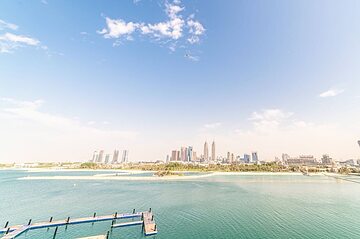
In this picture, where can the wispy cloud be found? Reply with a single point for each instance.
(7, 25)
(31, 111)
(169, 32)
(331, 93)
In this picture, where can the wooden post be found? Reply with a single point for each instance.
(51, 218)
(6, 224)
(107, 235)
(155, 227)
(29, 222)
(115, 214)
(55, 232)
(134, 211)
(152, 218)
(112, 222)
(68, 220)
(150, 210)
(7, 231)
(94, 214)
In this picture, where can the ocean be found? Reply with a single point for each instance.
(237, 206)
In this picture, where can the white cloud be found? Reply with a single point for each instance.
(212, 125)
(331, 93)
(170, 31)
(9, 42)
(7, 25)
(118, 28)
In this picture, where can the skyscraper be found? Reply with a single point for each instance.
(359, 143)
(206, 151)
(107, 158)
(213, 156)
(254, 157)
(100, 156)
(94, 157)
(190, 154)
(183, 154)
(115, 159)
(125, 156)
(174, 155)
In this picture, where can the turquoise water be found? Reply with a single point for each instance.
(213, 207)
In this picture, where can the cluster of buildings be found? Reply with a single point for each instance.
(188, 155)
(102, 158)
(310, 160)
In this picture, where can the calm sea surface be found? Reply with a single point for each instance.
(213, 207)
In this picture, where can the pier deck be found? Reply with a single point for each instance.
(149, 224)
(14, 231)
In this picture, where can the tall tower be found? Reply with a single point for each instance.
(115, 159)
(206, 151)
(213, 156)
(359, 143)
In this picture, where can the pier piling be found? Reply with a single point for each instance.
(94, 214)
(55, 232)
(6, 224)
(29, 223)
(51, 218)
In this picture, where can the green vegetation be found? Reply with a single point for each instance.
(269, 167)
(90, 166)
(167, 173)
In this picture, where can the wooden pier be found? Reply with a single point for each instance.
(11, 232)
(149, 225)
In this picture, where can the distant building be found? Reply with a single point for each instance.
(183, 154)
(189, 154)
(194, 157)
(125, 156)
(94, 157)
(107, 158)
(302, 160)
(206, 151)
(100, 156)
(246, 158)
(213, 155)
(174, 155)
(232, 159)
(326, 160)
(254, 157)
(115, 159)
(167, 159)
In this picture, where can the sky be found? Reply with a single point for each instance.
(151, 76)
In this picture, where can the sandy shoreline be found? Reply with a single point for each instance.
(166, 178)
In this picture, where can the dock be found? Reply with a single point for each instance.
(11, 232)
(149, 225)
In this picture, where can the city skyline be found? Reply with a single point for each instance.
(258, 76)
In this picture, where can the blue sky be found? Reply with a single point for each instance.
(268, 76)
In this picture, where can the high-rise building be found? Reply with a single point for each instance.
(94, 157)
(107, 158)
(189, 154)
(246, 158)
(254, 157)
(213, 155)
(115, 159)
(359, 143)
(228, 157)
(174, 155)
(206, 151)
(100, 156)
(194, 157)
(125, 156)
(232, 159)
(183, 154)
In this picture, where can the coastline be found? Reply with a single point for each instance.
(124, 177)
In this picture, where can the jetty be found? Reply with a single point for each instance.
(147, 220)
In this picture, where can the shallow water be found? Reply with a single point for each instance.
(212, 207)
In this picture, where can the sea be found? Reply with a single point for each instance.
(231, 206)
